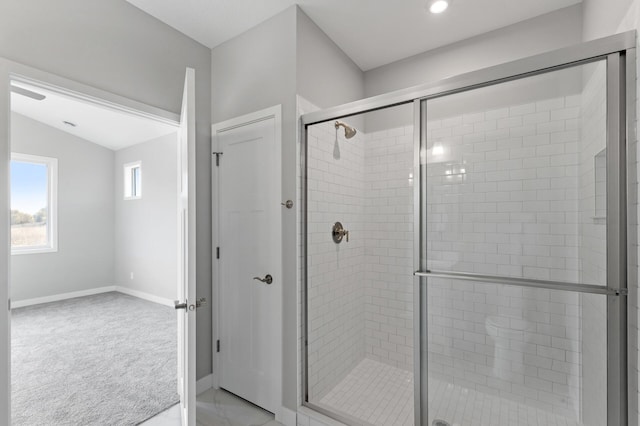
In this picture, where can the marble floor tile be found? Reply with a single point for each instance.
(169, 417)
(217, 407)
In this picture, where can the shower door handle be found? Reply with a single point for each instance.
(268, 279)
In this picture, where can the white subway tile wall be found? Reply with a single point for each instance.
(335, 271)
(503, 194)
(388, 284)
(505, 198)
(361, 291)
(517, 343)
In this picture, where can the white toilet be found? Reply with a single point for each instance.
(509, 336)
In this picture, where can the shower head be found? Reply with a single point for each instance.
(349, 131)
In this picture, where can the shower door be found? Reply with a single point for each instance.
(360, 285)
(524, 250)
(508, 189)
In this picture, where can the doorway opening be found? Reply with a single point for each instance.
(95, 260)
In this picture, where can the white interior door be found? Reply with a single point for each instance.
(249, 229)
(186, 271)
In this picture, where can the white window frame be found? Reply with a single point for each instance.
(52, 198)
(127, 188)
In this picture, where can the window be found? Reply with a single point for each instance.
(34, 181)
(133, 181)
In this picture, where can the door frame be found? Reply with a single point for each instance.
(10, 70)
(619, 52)
(274, 112)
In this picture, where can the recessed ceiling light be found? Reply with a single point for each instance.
(438, 6)
(69, 123)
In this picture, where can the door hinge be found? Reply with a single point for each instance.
(217, 252)
(217, 154)
(218, 345)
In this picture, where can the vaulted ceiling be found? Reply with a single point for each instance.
(371, 32)
(92, 122)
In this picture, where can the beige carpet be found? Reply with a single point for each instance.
(108, 359)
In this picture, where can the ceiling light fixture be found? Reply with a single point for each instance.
(28, 93)
(438, 6)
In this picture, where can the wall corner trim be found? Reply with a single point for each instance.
(204, 384)
(287, 417)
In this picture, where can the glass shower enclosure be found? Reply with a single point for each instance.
(465, 247)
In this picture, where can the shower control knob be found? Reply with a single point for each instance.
(338, 232)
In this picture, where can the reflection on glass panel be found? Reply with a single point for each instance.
(360, 290)
(505, 355)
(515, 182)
(600, 166)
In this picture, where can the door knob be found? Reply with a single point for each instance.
(178, 305)
(268, 279)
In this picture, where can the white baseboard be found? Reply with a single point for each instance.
(145, 296)
(204, 384)
(287, 417)
(61, 296)
(90, 292)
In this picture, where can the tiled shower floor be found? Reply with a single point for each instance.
(377, 393)
(382, 395)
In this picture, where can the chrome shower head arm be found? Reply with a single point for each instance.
(349, 131)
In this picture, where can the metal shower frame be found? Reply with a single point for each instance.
(619, 53)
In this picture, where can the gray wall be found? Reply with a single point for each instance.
(146, 229)
(113, 46)
(537, 35)
(84, 259)
(602, 17)
(326, 76)
(265, 66)
(251, 72)
(256, 69)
